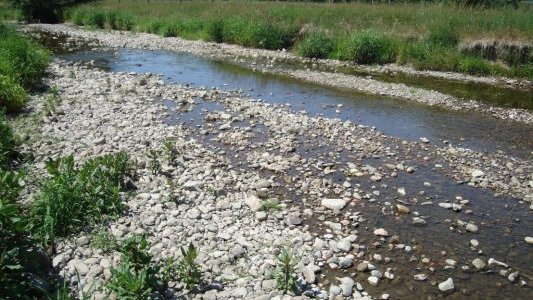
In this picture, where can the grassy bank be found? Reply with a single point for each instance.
(428, 36)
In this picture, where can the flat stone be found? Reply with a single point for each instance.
(446, 285)
(334, 204)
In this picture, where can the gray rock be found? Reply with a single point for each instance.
(447, 285)
(381, 232)
(421, 277)
(471, 227)
(344, 245)
(345, 262)
(59, 261)
(513, 277)
(479, 264)
(373, 280)
(261, 215)
(347, 286)
(253, 202)
(309, 274)
(334, 204)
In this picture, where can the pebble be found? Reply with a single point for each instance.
(381, 232)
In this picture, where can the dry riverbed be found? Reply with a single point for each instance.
(274, 61)
(369, 216)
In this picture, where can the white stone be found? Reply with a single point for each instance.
(334, 204)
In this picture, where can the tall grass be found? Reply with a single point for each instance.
(365, 34)
(22, 64)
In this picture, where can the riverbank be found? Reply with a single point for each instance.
(273, 61)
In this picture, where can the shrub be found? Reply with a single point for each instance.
(136, 277)
(10, 185)
(215, 31)
(316, 45)
(22, 60)
(188, 270)
(285, 272)
(12, 96)
(95, 19)
(125, 21)
(73, 198)
(169, 30)
(371, 47)
(257, 34)
(444, 36)
(474, 66)
(78, 17)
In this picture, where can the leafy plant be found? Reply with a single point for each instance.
(153, 161)
(170, 150)
(285, 272)
(7, 142)
(12, 95)
(188, 270)
(104, 240)
(74, 197)
(136, 277)
(10, 185)
(270, 205)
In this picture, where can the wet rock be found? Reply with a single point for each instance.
(347, 285)
(513, 277)
(334, 204)
(345, 262)
(479, 264)
(472, 228)
(381, 232)
(447, 285)
(362, 267)
(424, 140)
(493, 262)
(402, 209)
(420, 277)
(373, 280)
(529, 240)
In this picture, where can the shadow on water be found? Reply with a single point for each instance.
(392, 117)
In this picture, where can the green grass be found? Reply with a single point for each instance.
(73, 198)
(7, 142)
(22, 65)
(7, 12)
(366, 34)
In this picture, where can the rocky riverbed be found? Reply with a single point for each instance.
(274, 61)
(369, 216)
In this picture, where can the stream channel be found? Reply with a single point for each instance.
(504, 221)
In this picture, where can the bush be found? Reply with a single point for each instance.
(136, 277)
(45, 11)
(95, 19)
(73, 198)
(371, 47)
(257, 34)
(443, 37)
(215, 31)
(78, 17)
(12, 96)
(474, 66)
(125, 21)
(316, 45)
(7, 142)
(22, 60)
